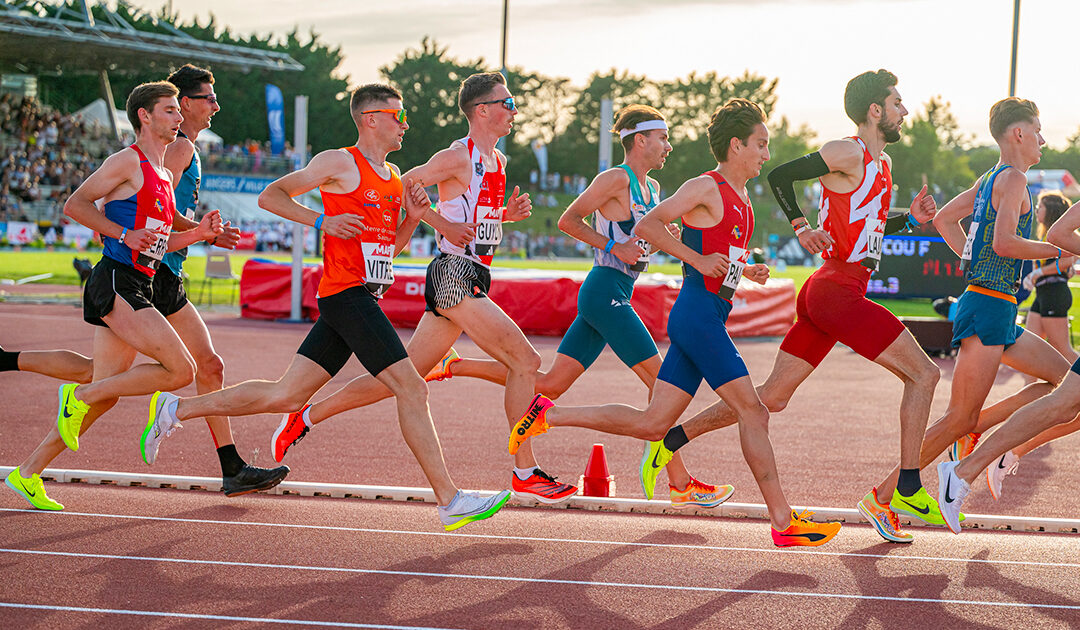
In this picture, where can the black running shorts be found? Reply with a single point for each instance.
(169, 295)
(109, 280)
(1052, 299)
(351, 322)
(450, 279)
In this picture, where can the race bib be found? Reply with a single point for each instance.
(190, 214)
(489, 230)
(969, 245)
(378, 266)
(875, 237)
(151, 256)
(643, 262)
(738, 258)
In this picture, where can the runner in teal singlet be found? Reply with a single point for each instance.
(617, 199)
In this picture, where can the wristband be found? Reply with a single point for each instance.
(610, 244)
(122, 235)
(1057, 263)
(912, 221)
(214, 242)
(318, 222)
(802, 228)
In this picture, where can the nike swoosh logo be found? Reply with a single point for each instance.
(656, 464)
(64, 412)
(925, 510)
(810, 536)
(27, 490)
(1001, 462)
(948, 486)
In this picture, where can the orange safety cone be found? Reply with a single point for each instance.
(596, 482)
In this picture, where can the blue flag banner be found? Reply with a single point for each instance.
(275, 116)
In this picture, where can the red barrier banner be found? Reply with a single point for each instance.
(247, 241)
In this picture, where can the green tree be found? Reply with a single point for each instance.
(932, 153)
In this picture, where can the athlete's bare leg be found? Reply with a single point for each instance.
(210, 369)
(1048, 435)
(563, 373)
(301, 380)
(1056, 332)
(115, 357)
(147, 331)
(1034, 358)
(904, 358)
(65, 365)
(667, 404)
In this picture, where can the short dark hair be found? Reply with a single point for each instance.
(629, 116)
(476, 87)
(864, 90)
(369, 94)
(145, 96)
(1009, 111)
(736, 119)
(189, 79)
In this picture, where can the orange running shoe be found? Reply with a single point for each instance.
(542, 487)
(802, 532)
(442, 368)
(883, 519)
(963, 447)
(291, 430)
(698, 494)
(532, 423)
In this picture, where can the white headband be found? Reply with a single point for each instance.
(647, 125)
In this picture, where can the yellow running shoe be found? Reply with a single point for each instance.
(31, 489)
(442, 368)
(70, 416)
(653, 460)
(532, 423)
(919, 505)
(883, 519)
(802, 532)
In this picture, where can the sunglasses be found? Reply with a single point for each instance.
(508, 103)
(210, 98)
(399, 114)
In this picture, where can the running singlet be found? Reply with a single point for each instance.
(731, 236)
(984, 267)
(856, 220)
(187, 199)
(367, 259)
(622, 231)
(482, 203)
(152, 207)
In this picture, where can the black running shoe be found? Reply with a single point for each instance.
(253, 479)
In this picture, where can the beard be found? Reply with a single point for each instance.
(891, 132)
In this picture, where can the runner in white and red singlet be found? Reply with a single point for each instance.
(832, 305)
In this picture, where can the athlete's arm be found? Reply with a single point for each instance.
(1063, 232)
(1011, 194)
(604, 188)
(178, 157)
(444, 170)
(697, 192)
(114, 172)
(322, 170)
(415, 202)
(947, 220)
(208, 228)
(781, 181)
(923, 208)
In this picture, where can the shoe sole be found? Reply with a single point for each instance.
(649, 492)
(71, 443)
(465, 520)
(260, 488)
(711, 504)
(942, 480)
(877, 526)
(808, 543)
(542, 499)
(7, 482)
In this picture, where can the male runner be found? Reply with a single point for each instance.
(136, 229)
(1048, 418)
(617, 199)
(362, 195)
(717, 224)
(471, 180)
(856, 179)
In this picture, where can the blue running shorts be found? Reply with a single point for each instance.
(700, 345)
(992, 319)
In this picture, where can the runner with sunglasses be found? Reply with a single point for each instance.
(471, 179)
(362, 196)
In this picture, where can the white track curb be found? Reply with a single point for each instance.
(613, 504)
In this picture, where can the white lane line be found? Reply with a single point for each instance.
(501, 537)
(534, 580)
(154, 613)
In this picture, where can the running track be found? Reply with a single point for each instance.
(132, 557)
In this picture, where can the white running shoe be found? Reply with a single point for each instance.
(996, 472)
(951, 493)
(162, 423)
(467, 507)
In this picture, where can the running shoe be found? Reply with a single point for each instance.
(467, 507)
(292, 429)
(919, 505)
(161, 425)
(532, 423)
(253, 479)
(963, 447)
(698, 494)
(69, 417)
(951, 490)
(1005, 465)
(802, 532)
(883, 519)
(31, 489)
(653, 460)
(442, 368)
(541, 487)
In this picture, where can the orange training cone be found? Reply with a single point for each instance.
(596, 482)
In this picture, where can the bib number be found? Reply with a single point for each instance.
(969, 245)
(642, 263)
(378, 266)
(489, 231)
(738, 257)
(151, 256)
(875, 238)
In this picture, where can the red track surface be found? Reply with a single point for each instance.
(838, 436)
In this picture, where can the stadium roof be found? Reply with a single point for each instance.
(40, 37)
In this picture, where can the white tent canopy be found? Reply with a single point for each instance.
(97, 113)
